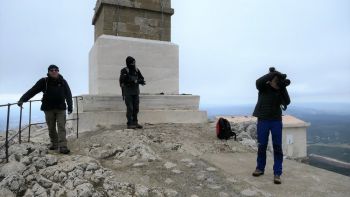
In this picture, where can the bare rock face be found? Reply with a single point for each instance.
(246, 133)
(85, 190)
(38, 190)
(139, 151)
(15, 183)
(163, 160)
(169, 165)
(13, 167)
(6, 192)
(251, 129)
(249, 192)
(141, 191)
(171, 193)
(104, 152)
(249, 143)
(37, 173)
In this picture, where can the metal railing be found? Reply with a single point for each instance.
(30, 124)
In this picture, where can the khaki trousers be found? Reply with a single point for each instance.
(57, 116)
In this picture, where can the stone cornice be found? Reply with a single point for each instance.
(129, 4)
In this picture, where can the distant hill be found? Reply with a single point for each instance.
(37, 116)
(330, 123)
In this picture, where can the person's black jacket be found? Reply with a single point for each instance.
(270, 100)
(129, 81)
(56, 93)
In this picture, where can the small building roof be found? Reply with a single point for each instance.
(288, 120)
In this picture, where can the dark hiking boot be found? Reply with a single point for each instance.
(64, 150)
(257, 172)
(138, 126)
(53, 147)
(131, 126)
(277, 179)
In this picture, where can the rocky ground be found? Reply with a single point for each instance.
(159, 160)
(162, 160)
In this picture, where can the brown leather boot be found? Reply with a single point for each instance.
(257, 173)
(277, 179)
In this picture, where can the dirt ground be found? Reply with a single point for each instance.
(188, 160)
(170, 157)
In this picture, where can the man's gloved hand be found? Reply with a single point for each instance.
(141, 82)
(20, 103)
(132, 80)
(70, 111)
(274, 73)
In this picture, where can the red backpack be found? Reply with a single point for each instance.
(223, 129)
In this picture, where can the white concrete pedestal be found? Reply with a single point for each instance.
(158, 62)
(108, 110)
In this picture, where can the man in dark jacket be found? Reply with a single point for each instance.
(56, 93)
(273, 96)
(129, 80)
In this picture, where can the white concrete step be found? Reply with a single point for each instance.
(89, 121)
(90, 103)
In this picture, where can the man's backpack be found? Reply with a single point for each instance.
(223, 129)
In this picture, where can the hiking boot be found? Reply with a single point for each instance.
(257, 172)
(277, 179)
(138, 126)
(53, 147)
(131, 126)
(64, 150)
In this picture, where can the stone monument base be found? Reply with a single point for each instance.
(108, 110)
(158, 62)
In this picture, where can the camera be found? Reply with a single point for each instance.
(282, 78)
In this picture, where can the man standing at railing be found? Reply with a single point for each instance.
(56, 93)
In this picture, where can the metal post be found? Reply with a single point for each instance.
(30, 119)
(20, 126)
(7, 133)
(76, 101)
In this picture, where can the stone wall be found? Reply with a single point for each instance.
(148, 19)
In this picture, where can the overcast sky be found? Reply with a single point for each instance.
(225, 45)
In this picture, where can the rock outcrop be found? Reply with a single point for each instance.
(166, 160)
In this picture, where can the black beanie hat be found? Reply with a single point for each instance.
(129, 60)
(52, 66)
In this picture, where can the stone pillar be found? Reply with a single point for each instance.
(148, 19)
(137, 28)
(141, 29)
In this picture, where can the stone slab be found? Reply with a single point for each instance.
(157, 60)
(288, 120)
(89, 121)
(89, 103)
(297, 180)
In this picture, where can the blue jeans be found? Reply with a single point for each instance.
(263, 130)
